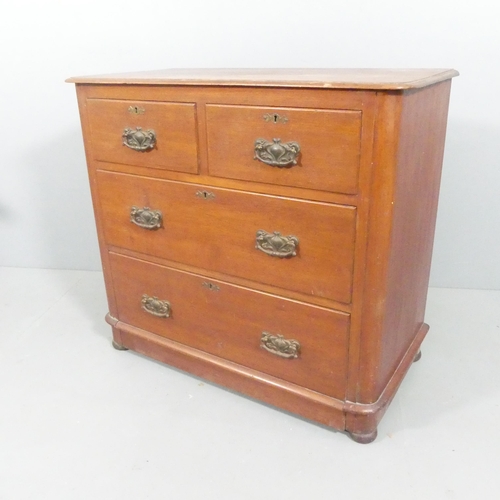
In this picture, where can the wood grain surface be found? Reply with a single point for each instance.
(364, 78)
(174, 124)
(228, 321)
(407, 170)
(219, 233)
(362, 202)
(329, 142)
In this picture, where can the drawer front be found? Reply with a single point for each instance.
(316, 149)
(234, 232)
(144, 134)
(235, 323)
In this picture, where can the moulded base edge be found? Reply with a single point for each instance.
(359, 420)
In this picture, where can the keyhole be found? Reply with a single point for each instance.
(210, 286)
(276, 117)
(206, 195)
(136, 110)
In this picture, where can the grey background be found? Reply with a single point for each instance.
(46, 217)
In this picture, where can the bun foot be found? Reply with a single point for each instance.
(119, 347)
(417, 356)
(364, 438)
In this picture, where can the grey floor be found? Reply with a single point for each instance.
(80, 420)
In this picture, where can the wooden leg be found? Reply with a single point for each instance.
(364, 438)
(417, 356)
(119, 347)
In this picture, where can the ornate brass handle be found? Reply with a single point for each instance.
(156, 307)
(276, 245)
(278, 345)
(146, 218)
(138, 139)
(277, 154)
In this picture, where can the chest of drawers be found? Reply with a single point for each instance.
(271, 231)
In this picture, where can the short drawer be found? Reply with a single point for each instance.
(303, 344)
(144, 133)
(307, 148)
(295, 245)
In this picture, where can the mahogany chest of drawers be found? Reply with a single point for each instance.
(271, 231)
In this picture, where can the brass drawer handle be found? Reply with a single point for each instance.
(156, 307)
(146, 218)
(277, 154)
(278, 345)
(138, 139)
(276, 245)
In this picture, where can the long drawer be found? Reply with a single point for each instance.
(303, 344)
(292, 244)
